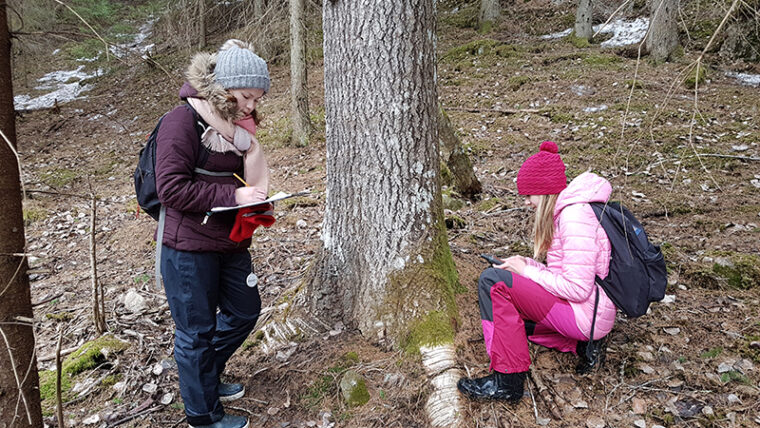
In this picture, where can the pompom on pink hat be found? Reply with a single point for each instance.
(542, 173)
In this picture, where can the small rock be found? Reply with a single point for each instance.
(301, 224)
(640, 423)
(354, 389)
(733, 399)
(595, 422)
(158, 369)
(754, 344)
(167, 398)
(133, 301)
(725, 367)
(672, 330)
(120, 387)
(669, 298)
(581, 404)
(91, 420)
(150, 388)
(169, 364)
(646, 356)
(543, 421)
(272, 411)
(639, 406)
(745, 365)
(646, 368)
(708, 411)
(740, 148)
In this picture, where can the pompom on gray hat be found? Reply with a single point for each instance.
(237, 67)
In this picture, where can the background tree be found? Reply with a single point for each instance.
(662, 40)
(19, 407)
(258, 9)
(488, 14)
(299, 99)
(583, 16)
(462, 174)
(201, 24)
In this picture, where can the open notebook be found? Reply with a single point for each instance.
(276, 197)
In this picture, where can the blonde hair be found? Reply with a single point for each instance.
(543, 225)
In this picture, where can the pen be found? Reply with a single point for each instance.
(241, 180)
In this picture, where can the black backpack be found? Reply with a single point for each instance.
(637, 274)
(145, 173)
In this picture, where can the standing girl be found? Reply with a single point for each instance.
(549, 304)
(199, 146)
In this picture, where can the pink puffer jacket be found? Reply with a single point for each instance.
(579, 252)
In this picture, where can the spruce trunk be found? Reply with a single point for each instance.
(663, 32)
(299, 99)
(19, 407)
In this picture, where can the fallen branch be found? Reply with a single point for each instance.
(48, 299)
(135, 415)
(542, 392)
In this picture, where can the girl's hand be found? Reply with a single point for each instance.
(249, 195)
(514, 264)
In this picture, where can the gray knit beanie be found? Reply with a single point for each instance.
(238, 67)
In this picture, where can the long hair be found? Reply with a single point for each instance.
(543, 225)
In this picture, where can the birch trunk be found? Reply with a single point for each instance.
(19, 383)
(583, 15)
(299, 99)
(663, 31)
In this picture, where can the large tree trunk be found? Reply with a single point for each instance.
(663, 29)
(464, 180)
(385, 263)
(299, 99)
(19, 407)
(488, 15)
(583, 28)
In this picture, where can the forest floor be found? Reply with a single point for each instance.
(694, 360)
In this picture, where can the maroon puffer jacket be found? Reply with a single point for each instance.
(188, 196)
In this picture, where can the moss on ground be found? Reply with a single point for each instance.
(92, 353)
(696, 77)
(483, 48)
(738, 270)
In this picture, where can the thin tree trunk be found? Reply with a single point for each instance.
(19, 383)
(258, 9)
(201, 24)
(583, 28)
(299, 99)
(663, 32)
(98, 315)
(464, 180)
(490, 10)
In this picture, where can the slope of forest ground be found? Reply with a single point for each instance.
(693, 361)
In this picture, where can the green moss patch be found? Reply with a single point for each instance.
(92, 353)
(299, 201)
(434, 329)
(696, 77)
(738, 270)
(480, 48)
(489, 204)
(465, 17)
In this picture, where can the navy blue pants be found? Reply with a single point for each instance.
(196, 284)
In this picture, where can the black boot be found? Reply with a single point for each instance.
(496, 386)
(590, 359)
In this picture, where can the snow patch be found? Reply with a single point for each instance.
(595, 109)
(65, 85)
(623, 32)
(137, 45)
(745, 78)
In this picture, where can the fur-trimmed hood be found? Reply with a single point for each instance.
(200, 75)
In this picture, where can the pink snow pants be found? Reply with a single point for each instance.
(513, 310)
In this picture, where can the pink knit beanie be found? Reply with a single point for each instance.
(543, 173)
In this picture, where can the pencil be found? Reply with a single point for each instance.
(241, 180)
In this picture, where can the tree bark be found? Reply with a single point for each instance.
(19, 407)
(583, 15)
(490, 10)
(258, 9)
(385, 266)
(464, 180)
(299, 99)
(663, 29)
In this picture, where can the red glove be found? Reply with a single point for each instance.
(248, 219)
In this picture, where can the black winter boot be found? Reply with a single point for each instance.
(496, 386)
(590, 359)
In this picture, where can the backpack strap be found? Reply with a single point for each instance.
(589, 346)
(159, 244)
